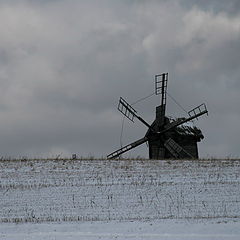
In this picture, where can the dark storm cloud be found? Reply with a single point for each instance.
(64, 64)
(230, 7)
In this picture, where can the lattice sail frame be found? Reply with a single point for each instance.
(199, 109)
(126, 109)
(161, 81)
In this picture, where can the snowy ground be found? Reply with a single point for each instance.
(153, 230)
(127, 199)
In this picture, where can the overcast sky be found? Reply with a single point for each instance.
(65, 63)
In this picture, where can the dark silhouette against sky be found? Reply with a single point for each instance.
(64, 64)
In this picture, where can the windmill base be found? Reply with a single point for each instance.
(186, 152)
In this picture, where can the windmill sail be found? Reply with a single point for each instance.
(126, 148)
(199, 109)
(176, 150)
(161, 89)
(128, 111)
(195, 113)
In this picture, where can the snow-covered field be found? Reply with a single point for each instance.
(119, 199)
(154, 230)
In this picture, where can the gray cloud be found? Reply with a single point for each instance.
(64, 64)
(229, 7)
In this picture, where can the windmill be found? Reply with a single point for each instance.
(166, 137)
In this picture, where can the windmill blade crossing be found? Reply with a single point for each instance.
(127, 148)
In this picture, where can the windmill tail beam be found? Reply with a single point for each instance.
(126, 148)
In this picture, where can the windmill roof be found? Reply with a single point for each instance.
(188, 129)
